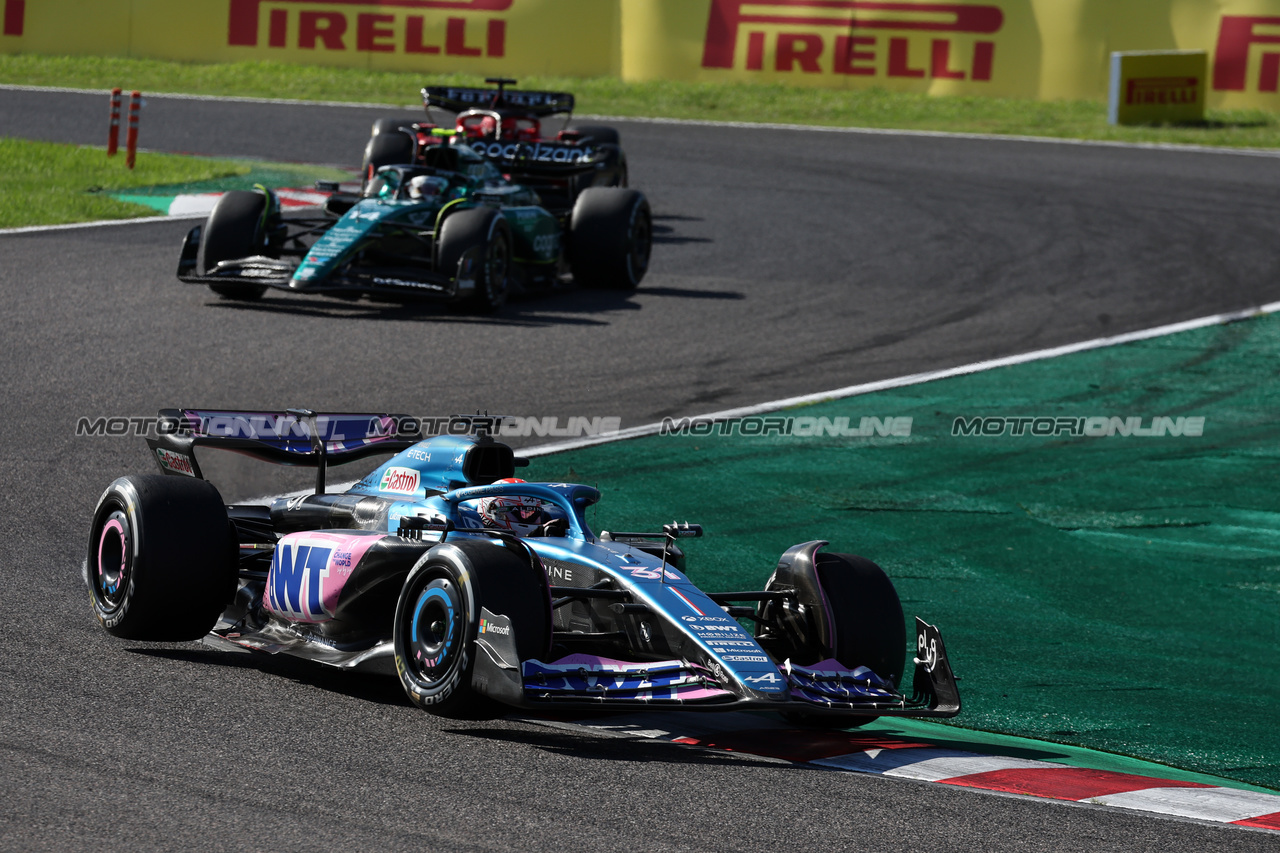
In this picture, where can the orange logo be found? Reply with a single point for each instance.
(849, 54)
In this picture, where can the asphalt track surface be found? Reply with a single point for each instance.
(786, 263)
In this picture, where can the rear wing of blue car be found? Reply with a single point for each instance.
(456, 99)
(291, 437)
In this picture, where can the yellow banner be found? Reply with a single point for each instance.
(1043, 49)
(1016, 48)
(490, 37)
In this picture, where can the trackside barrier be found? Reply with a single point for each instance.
(131, 138)
(1042, 49)
(1151, 86)
(113, 128)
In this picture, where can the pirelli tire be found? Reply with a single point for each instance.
(438, 615)
(600, 133)
(388, 147)
(867, 627)
(485, 229)
(610, 238)
(235, 229)
(388, 125)
(161, 559)
(870, 630)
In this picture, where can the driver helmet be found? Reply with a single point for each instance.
(517, 513)
(426, 186)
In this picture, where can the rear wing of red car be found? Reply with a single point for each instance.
(291, 437)
(456, 99)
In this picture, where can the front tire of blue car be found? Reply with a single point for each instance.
(867, 627)
(434, 650)
(437, 620)
(161, 558)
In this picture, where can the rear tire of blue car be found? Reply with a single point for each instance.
(162, 558)
(234, 230)
(484, 229)
(610, 238)
(437, 620)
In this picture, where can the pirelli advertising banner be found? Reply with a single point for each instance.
(571, 37)
(1021, 48)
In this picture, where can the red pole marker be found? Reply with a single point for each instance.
(113, 130)
(131, 138)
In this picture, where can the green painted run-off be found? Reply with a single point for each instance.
(1117, 593)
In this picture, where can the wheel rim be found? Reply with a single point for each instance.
(114, 562)
(639, 243)
(495, 270)
(434, 641)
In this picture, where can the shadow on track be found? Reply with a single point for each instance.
(560, 307)
(666, 234)
(596, 748)
(380, 689)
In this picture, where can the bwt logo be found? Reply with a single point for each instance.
(1231, 57)
(1162, 90)
(823, 37)
(339, 25)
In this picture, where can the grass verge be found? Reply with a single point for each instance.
(45, 183)
(609, 96)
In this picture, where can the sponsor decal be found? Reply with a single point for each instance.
(1163, 91)
(845, 37)
(538, 152)
(352, 26)
(308, 571)
(400, 481)
(746, 658)
(297, 577)
(176, 462)
(495, 637)
(405, 282)
(488, 626)
(546, 244)
(418, 455)
(559, 573)
(766, 678)
(706, 618)
(717, 641)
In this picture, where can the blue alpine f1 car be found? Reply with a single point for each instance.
(471, 585)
